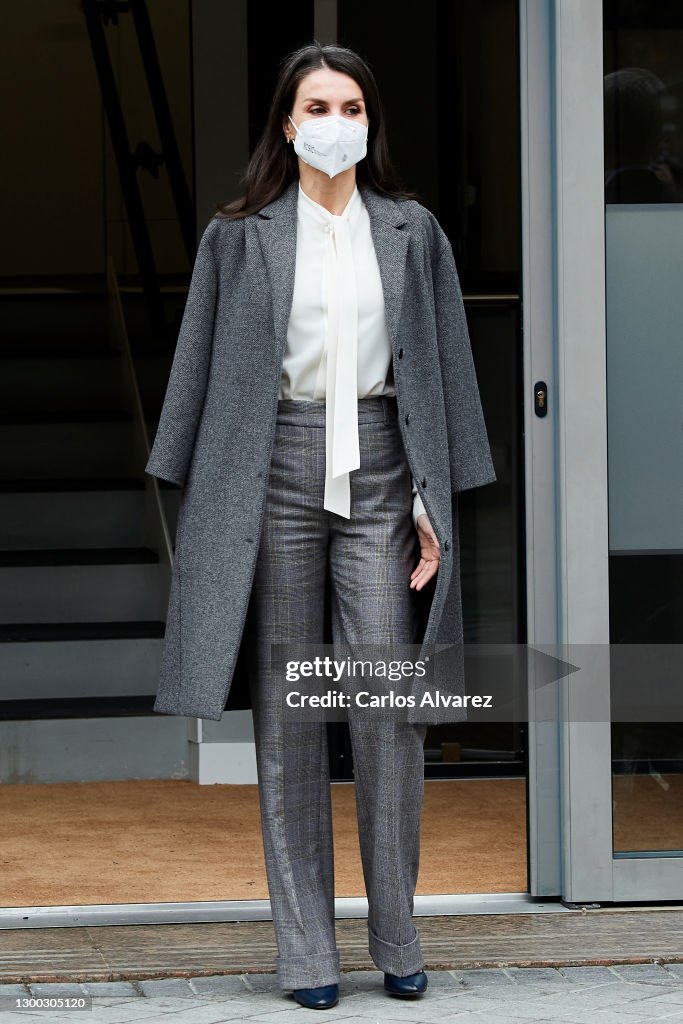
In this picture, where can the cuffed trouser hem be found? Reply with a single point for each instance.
(393, 959)
(308, 971)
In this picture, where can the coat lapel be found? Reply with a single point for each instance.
(276, 223)
(277, 228)
(391, 239)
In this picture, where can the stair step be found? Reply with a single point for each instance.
(40, 485)
(58, 386)
(76, 707)
(68, 519)
(80, 385)
(77, 556)
(56, 348)
(42, 632)
(70, 449)
(79, 659)
(34, 416)
(90, 591)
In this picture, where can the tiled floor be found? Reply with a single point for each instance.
(633, 994)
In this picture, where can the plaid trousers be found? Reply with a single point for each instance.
(369, 559)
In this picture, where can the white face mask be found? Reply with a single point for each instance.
(331, 143)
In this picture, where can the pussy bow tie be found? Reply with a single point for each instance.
(342, 453)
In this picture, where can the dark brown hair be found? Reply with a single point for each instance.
(274, 164)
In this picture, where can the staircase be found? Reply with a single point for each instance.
(83, 594)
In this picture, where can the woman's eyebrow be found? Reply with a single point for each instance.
(312, 99)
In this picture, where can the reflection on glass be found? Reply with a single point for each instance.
(639, 164)
(643, 100)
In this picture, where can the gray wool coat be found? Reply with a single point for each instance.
(217, 424)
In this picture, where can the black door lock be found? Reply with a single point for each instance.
(541, 398)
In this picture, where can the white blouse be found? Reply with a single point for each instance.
(338, 348)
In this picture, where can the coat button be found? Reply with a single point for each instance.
(400, 353)
(407, 417)
(446, 544)
(424, 481)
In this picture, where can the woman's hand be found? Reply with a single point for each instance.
(430, 554)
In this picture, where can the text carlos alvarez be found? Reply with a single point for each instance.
(365, 699)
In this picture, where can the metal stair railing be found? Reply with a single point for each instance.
(98, 14)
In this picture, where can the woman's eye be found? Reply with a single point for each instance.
(351, 110)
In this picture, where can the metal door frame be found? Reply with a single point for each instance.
(564, 195)
(539, 364)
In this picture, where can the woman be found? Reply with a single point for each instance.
(321, 413)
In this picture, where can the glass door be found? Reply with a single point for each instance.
(643, 96)
(456, 141)
(466, 168)
(484, 165)
(620, 185)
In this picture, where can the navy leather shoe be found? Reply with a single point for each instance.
(320, 998)
(411, 985)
